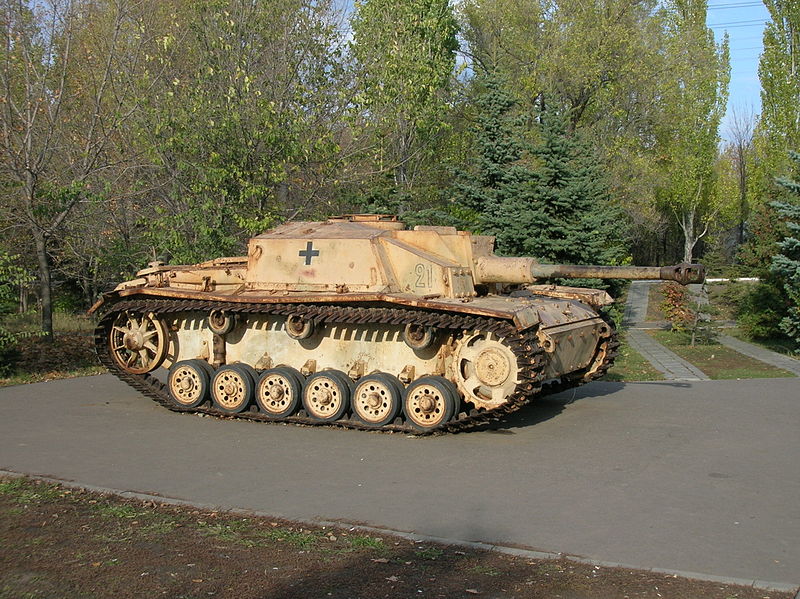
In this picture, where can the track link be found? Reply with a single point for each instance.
(524, 344)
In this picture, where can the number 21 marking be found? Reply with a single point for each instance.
(424, 275)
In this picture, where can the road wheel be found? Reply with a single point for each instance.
(232, 388)
(138, 342)
(326, 395)
(188, 383)
(377, 399)
(430, 402)
(278, 391)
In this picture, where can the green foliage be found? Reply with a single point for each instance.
(780, 85)
(765, 229)
(405, 58)
(761, 309)
(237, 120)
(786, 264)
(11, 277)
(695, 100)
(567, 215)
(497, 174)
(550, 201)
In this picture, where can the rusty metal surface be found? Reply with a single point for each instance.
(524, 345)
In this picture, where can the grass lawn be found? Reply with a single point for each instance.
(654, 299)
(631, 366)
(717, 361)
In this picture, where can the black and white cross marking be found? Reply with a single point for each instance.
(309, 252)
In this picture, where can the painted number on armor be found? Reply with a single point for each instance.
(424, 275)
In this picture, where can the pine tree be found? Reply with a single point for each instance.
(498, 173)
(564, 215)
(786, 265)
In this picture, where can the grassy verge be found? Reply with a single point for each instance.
(62, 322)
(631, 366)
(654, 299)
(59, 542)
(717, 361)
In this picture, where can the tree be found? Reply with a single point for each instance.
(786, 265)
(548, 200)
(11, 276)
(780, 82)
(603, 62)
(565, 214)
(243, 123)
(65, 73)
(740, 148)
(689, 132)
(498, 172)
(404, 59)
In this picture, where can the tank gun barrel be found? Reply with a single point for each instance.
(494, 269)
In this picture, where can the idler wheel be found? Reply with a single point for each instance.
(189, 382)
(138, 342)
(377, 399)
(221, 322)
(418, 336)
(298, 327)
(430, 402)
(278, 391)
(485, 369)
(232, 388)
(326, 395)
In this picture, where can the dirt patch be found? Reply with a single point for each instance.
(69, 355)
(59, 542)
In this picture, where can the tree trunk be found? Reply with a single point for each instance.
(44, 284)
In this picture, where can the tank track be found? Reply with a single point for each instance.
(524, 344)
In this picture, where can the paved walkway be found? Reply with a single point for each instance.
(636, 306)
(672, 366)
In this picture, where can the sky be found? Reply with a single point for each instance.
(743, 20)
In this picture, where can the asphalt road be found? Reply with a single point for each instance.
(701, 477)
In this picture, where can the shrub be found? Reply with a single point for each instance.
(760, 310)
(11, 276)
(676, 305)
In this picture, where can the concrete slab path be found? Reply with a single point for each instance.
(670, 364)
(701, 476)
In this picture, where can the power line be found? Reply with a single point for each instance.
(738, 22)
(759, 24)
(742, 5)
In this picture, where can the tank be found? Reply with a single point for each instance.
(359, 322)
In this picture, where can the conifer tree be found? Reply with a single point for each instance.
(564, 213)
(498, 173)
(786, 265)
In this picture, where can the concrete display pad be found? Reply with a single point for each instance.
(701, 476)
